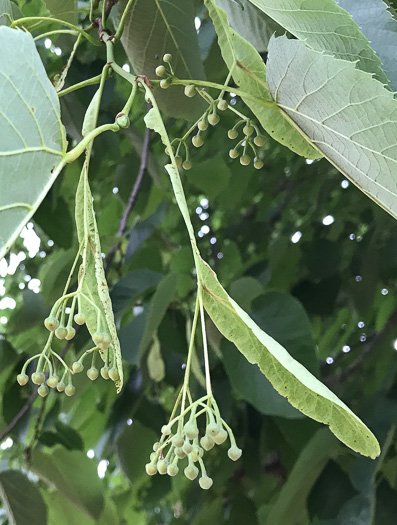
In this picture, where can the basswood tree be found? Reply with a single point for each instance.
(206, 271)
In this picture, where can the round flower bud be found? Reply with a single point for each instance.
(162, 466)
(114, 374)
(160, 71)
(97, 338)
(197, 141)
(172, 470)
(22, 379)
(38, 378)
(42, 391)
(92, 373)
(167, 58)
(190, 430)
(178, 161)
(178, 440)
(233, 153)
(196, 453)
(191, 472)
(187, 447)
(220, 437)
(234, 453)
(51, 323)
(205, 482)
(123, 121)
(207, 442)
(248, 130)
(164, 84)
(186, 165)
(106, 340)
(259, 140)
(222, 105)
(180, 453)
(202, 125)
(70, 390)
(190, 91)
(105, 372)
(156, 446)
(213, 119)
(245, 160)
(212, 429)
(61, 386)
(77, 367)
(167, 152)
(232, 134)
(258, 164)
(153, 457)
(151, 469)
(61, 332)
(52, 381)
(166, 430)
(79, 318)
(70, 333)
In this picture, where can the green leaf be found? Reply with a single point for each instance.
(8, 12)
(94, 285)
(355, 129)
(287, 376)
(155, 363)
(290, 505)
(211, 177)
(132, 285)
(250, 23)
(32, 137)
(21, 499)
(65, 10)
(155, 27)
(249, 73)
(59, 469)
(325, 27)
(378, 25)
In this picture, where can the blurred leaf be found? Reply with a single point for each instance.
(132, 285)
(245, 290)
(143, 230)
(65, 10)
(211, 176)
(131, 336)
(8, 12)
(64, 435)
(30, 313)
(155, 362)
(21, 499)
(56, 221)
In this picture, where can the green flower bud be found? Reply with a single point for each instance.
(70, 390)
(97, 338)
(248, 130)
(179, 452)
(38, 378)
(213, 119)
(61, 386)
(196, 453)
(232, 134)
(42, 391)
(160, 71)
(165, 83)
(156, 446)
(106, 340)
(178, 161)
(123, 121)
(51, 323)
(172, 470)
(178, 440)
(52, 381)
(187, 165)
(166, 430)
(151, 469)
(162, 466)
(105, 372)
(234, 453)
(114, 374)
(167, 152)
(167, 58)
(77, 367)
(202, 124)
(258, 164)
(190, 430)
(92, 373)
(22, 379)
(190, 91)
(197, 141)
(153, 457)
(222, 105)
(191, 472)
(245, 160)
(61, 332)
(234, 153)
(79, 318)
(70, 333)
(220, 437)
(259, 140)
(212, 429)
(187, 447)
(207, 442)
(205, 482)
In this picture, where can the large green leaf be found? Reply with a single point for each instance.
(32, 138)
(378, 25)
(65, 10)
(287, 376)
(345, 112)
(249, 73)
(21, 499)
(8, 12)
(155, 27)
(324, 26)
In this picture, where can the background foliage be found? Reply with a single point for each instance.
(308, 255)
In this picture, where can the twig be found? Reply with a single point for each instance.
(20, 415)
(368, 348)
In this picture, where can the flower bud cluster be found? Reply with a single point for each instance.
(241, 148)
(165, 72)
(180, 441)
